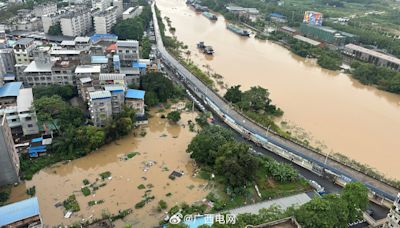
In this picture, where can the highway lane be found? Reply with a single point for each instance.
(376, 186)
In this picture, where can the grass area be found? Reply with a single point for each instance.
(71, 204)
(4, 194)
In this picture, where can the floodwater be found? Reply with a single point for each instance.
(164, 144)
(333, 111)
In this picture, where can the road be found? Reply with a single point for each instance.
(376, 186)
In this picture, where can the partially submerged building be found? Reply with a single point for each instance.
(135, 99)
(24, 213)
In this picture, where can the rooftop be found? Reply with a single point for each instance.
(99, 95)
(135, 94)
(24, 41)
(85, 80)
(67, 43)
(99, 59)
(373, 53)
(307, 40)
(35, 67)
(127, 43)
(10, 89)
(82, 39)
(103, 37)
(114, 88)
(65, 52)
(82, 69)
(111, 76)
(18, 211)
(24, 100)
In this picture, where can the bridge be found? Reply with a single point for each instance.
(305, 157)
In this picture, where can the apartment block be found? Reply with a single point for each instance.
(117, 97)
(393, 218)
(51, 19)
(44, 9)
(7, 61)
(105, 20)
(9, 160)
(132, 12)
(135, 99)
(76, 23)
(23, 50)
(100, 107)
(16, 103)
(128, 51)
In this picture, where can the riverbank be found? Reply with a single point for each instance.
(214, 25)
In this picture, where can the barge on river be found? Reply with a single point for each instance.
(237, 30)
(210, 16)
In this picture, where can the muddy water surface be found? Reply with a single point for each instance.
(164, 144)
(337, 111)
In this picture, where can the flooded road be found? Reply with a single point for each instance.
(328, 108)
(164, 146)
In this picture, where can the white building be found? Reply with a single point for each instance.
(100, 107)
(132, 12)
(51, 19)
(120, 7)
(23, 50)
(105, 20)
(16, 104)
(128, 51)
(9, 160)
(44, 9)
(394, 214)
(77, 23)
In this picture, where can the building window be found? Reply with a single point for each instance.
(28, 118)
(30, 125)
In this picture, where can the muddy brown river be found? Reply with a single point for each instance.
(164, 145)
(325, 107)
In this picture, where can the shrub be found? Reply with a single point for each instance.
(105, 175)
(141, 186)
(86, 182)
(71, 204)
(86, 191)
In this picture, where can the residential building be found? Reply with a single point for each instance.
(24, 213)
(23, 50)
(101, 60)
(120, 7)
(76, 23)
(63, 72)
(117, 97)
(372, 56)
(9, 160)
(135, 99)
(327, 34)
(87, 79)
(101, 5)
(82, 42)
(37, 73)
(7, 62)
(51, 19)
(105, 20)
(393, 218)
(113, 79)
(277, 17)
(40, 10)
(16, 103)
(132, 75)
(66, 54)
(132, 12)
(100, 107)
(128, 51)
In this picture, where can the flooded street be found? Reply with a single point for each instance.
(162, 151)
(358, 121)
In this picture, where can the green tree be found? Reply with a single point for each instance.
(174, 116)
(55, 30)
(236, 164)
(66, 92)
(255, 99)
(356, 196)
(89, 138)
(318, 213)
(204, 146)
(233, 94)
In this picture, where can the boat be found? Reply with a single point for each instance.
(200, 8)
(210, 16)
(206, 49)
(237, 30)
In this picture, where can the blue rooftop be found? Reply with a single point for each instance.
(20, 210)
(139, 65)
(277, 15)
(103, 37)
(10, 89)
(99, 59)
(135, 94)
(37, 139)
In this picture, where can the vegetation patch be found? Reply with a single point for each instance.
(105, 175)
(71, 204)
(132, 154)
(141, 186)
(85, 182)
(31, 191)
(86, 191)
